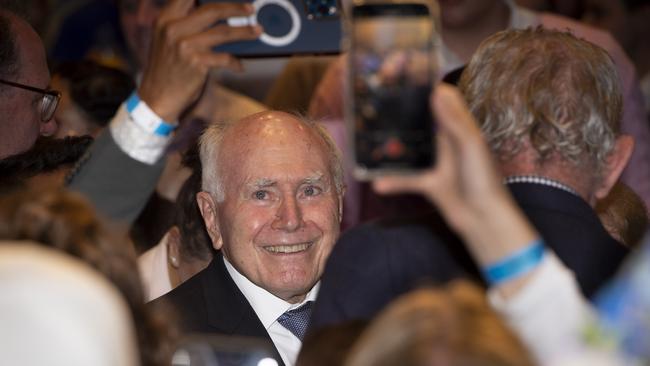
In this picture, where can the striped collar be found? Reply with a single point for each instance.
(535, 179)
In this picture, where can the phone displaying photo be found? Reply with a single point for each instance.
(391, 65)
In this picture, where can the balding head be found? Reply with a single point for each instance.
(255, 128)
(22, 61)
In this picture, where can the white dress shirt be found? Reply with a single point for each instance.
(268, 308)
(139, 144)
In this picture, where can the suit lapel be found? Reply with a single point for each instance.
(228, 310)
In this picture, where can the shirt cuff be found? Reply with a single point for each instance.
(140, 144)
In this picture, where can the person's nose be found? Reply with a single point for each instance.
(49, 128)
(289, 215)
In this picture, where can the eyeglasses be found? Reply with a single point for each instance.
(48, 104)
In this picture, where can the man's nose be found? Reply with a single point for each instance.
(49, 128)
(289, 216)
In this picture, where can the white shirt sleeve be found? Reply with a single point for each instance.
(134, 140)
(549, 314)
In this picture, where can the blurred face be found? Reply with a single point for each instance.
(280, 217)
(137, 18)
(611, 16)
(456, 14)
(20, 109)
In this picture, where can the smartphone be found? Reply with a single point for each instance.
(291, 27)
(218, 350)
(391, 71)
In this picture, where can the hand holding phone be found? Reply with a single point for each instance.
(181, 53)
(392, 66)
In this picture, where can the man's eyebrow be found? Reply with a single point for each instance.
(316, 178)
(262, 183)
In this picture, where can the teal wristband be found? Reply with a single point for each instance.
(515, 265)
(146, 118)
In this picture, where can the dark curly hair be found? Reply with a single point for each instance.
(195, 241)
(97, 89)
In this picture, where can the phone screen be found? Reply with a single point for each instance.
(392, 66)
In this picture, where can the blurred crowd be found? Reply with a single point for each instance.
(162, 203)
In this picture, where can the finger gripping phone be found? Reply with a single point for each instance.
(391, 70)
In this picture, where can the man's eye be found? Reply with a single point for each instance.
(260, 195)
(312, 191)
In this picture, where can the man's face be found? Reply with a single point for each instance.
(280, 217)
(137, 18)
(20, 109)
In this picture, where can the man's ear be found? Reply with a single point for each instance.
(174, 247)
(616, 162)
(208, 208)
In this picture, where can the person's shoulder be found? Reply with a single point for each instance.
(188, 302)
(388, 232)
(186, 293)
(397, 240)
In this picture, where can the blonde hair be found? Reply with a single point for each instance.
(448, 326)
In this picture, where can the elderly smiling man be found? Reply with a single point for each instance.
(271, 202)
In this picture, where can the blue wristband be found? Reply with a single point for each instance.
(146, 118)
(516, 265)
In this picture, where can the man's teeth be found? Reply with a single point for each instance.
(288, 248)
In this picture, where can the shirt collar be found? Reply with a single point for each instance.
(267, 306)
(535, 179)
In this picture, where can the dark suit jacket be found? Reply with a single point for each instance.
(374, 263)
(211, 302)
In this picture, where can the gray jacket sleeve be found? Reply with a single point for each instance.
(116, 184)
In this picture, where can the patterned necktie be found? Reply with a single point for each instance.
(296, 320)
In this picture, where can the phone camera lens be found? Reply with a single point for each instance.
(321, 9)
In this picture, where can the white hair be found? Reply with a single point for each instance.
(549, 88)
(210, 148)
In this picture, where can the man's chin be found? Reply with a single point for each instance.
(293, 292)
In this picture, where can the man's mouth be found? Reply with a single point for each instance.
(289, 248)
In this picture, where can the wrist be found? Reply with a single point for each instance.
(145, 117)
(156, 100)
(516, 264)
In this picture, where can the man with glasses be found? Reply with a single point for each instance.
(26, 105)
(133, 145)
(49, 101)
